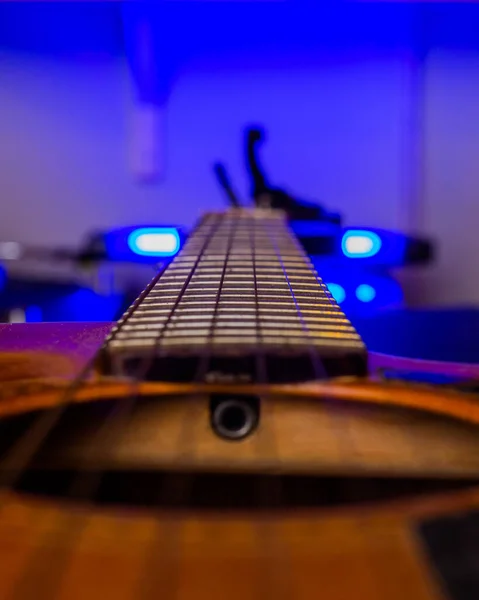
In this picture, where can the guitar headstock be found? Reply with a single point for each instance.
(263, 194)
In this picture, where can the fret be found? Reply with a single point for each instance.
(182, 316)
(204, 331)
(194, 305)
(146, 336)
(242, 280)
(280, 341)
(170, 282)
(281, 317)
(202, 273)
(245, 302)
(167, 282)
(228, 310)
(312, 285)
(182, 263)
(233, 340)
(150, 325)
(326, 307)
(125, 345)
(200, 309)
(309, 327)
(210, 287)
(192, 341)
(240, 293)
(204, 297)
(200, 296)
(181, 321)
(234, 279)
(235, 328)
(223, 322)
(237, 292)
(160, 297)
(240, 328)
(178, 324)
(174, 271)
(334, 335)
(151, 307)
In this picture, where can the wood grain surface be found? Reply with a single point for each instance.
(54, 549)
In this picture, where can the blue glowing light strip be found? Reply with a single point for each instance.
(356, 289)
(337, 292)
(154, 241)
(360, 243)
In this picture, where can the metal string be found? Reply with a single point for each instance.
(25, 448)
(186, 438)
(87, 483)
(186, 447)
(345, 451)
(261, 370)
(316, 362)
(320, 373)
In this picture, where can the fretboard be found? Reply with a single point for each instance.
(243, 291)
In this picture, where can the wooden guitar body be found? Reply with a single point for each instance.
(352, 488)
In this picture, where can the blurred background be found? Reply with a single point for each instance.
(112, 115)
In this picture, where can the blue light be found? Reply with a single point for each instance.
(83, 305)
(141, 243)
(365, 292)
(360, 243)
(154, 241)
(33, 314)
(337, 292)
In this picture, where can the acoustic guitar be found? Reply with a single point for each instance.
(230, 438)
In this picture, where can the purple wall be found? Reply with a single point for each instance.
(338, 91)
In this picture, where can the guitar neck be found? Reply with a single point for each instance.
(241, 299)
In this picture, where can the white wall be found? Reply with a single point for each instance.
(328, 84)
(62, 147)
(342, 130)
(335, 134)
(451, 192)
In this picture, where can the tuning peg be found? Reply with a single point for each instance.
(225, 183)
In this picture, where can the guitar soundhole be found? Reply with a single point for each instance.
(220, 491)
(65, 467)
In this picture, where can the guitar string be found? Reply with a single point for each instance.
(20, 454)
(23, 450)
(145, 366)
(342, 433)
(117, 425)
(270, 491)
(186, 434)
(345, 453)
(130, 312)
(88, 481)
(320, 373)
(225, 246)
(318, 367)
(118, 420)
(187, 438)
(49, 425)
